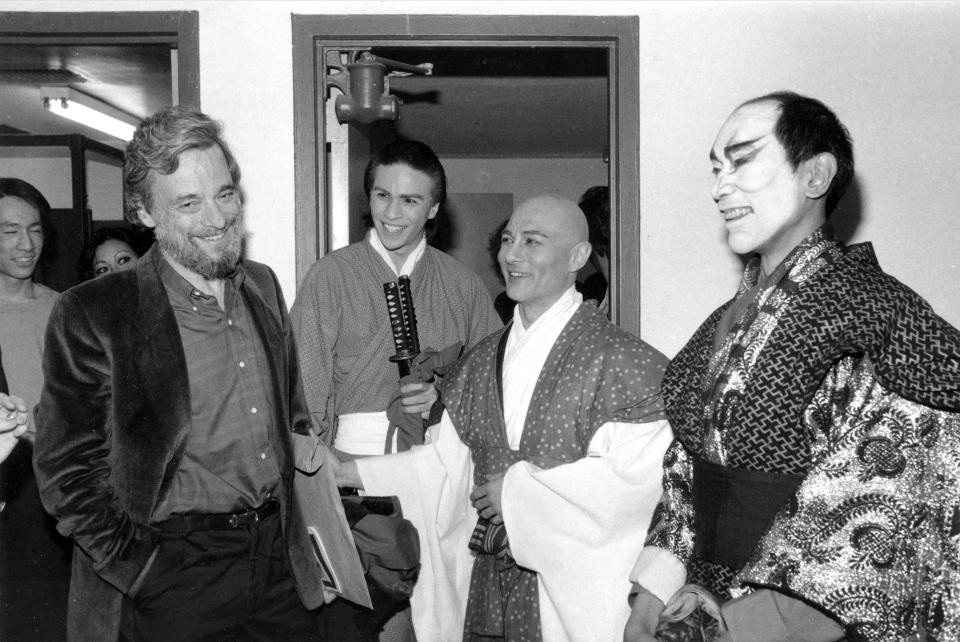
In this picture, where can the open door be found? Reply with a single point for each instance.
(516, 105)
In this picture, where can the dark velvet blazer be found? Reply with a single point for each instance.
(114, 418)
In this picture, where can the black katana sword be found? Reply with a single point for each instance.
(403, 322)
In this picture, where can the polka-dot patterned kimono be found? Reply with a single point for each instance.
(595, 373)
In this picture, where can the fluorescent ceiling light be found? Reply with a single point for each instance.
(88, 111)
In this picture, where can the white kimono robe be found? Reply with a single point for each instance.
(580, 526)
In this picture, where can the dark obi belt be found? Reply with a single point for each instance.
(734, 508)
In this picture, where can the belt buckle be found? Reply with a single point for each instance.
(246, 518)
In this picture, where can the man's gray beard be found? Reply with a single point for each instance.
(185, 252)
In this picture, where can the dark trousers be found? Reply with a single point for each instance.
(220, 585)
(343, 621)
(34, 558)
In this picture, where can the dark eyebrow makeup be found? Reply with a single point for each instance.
(733, 148)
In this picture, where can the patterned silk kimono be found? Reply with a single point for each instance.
(817, 446)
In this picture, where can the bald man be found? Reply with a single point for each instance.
(538, 484)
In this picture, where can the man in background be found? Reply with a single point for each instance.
(24, 304)
(34, 558)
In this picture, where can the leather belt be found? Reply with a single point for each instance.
(218, 521)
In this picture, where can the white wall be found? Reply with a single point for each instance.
(49, 170)
(46, 168)
(891, 70)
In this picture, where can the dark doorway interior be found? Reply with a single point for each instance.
(496, 89)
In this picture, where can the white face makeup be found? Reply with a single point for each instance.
(761, 197)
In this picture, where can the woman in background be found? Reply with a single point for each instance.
(112, 249)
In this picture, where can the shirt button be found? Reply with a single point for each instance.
(253, 410)
(263, 455)
(194, 308)
(242, 364)
(229, 321)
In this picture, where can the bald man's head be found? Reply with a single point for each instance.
(542, 248)
(562, 213)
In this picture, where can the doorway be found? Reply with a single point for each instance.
(516, 105)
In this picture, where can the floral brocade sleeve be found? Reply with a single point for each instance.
(872, 535)
(672, 526)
